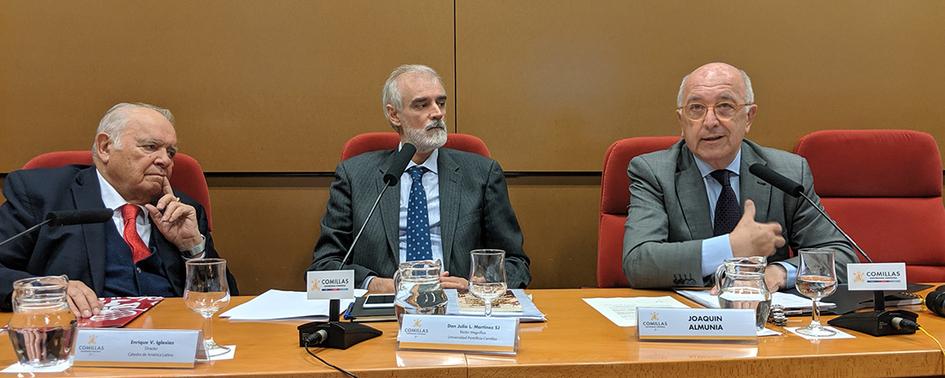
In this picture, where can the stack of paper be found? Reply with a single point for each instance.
(279, 304)
(530, 313)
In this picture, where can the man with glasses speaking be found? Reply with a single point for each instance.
(696, 204)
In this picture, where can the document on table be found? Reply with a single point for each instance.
(793, 304)
(280, 304)
(623, 311)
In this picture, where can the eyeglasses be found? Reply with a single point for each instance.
(723, 110)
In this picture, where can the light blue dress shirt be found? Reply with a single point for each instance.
(716, 249)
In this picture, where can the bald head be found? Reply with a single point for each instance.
(717, 73)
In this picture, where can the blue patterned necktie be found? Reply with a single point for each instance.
(418, 223)
(727, 211)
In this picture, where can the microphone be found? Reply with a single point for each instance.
(878, 322)
(399, 163)
(70, 217)
(793, 189)
(67, 218)
(334, 333)
(935, 301)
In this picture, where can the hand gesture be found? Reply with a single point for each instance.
(175, 220)
(750, 238)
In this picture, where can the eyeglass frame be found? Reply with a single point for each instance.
(737, 107)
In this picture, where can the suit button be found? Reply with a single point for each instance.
(138, 270)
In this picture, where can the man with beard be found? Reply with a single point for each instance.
(446, 204)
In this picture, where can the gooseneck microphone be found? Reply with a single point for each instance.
(67, 218)
(397, 166)
(793, 189)
(334, 333)
(878, 322)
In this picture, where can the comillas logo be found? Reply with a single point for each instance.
(416, 329)
(315, 286)
(654, 322)
(858, 277)
(91, 346)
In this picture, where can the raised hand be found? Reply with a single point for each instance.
(750, 238)
(175, 220)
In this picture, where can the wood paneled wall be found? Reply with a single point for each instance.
(278, 86)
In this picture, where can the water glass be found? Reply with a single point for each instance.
(487, 276)
(206, 292)
(816, 279)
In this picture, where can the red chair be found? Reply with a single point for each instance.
(884, 188)
(614, 201)
(187, 175)
(367, 142)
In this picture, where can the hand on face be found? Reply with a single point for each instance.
(750, 238)
(175, 220)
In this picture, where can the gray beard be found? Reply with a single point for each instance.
(427, 140)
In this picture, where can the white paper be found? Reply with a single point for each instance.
(839, 334)
(623, 311)
(20, 368)
(768, 332)
(789, 301)
(280, 304)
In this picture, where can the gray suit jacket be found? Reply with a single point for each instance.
(474, 213)
(669, 215)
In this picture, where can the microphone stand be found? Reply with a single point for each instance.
(878, 322)
(28, 230)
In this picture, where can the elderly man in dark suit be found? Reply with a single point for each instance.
(141, 251)
(686, 214)
(447, 203)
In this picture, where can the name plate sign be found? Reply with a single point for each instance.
(695, 324)
(113, 347)
(330, 284)
(459, 333)
(876, 276)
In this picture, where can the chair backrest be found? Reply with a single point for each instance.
(367, 142)
(187, 175)
(614, 202)
(884, 188)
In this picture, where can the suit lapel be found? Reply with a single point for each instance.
(449, 202)
(389, 208)
(690, 189)
(86, 194)
(753, 187)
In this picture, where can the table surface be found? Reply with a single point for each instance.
(576, 341)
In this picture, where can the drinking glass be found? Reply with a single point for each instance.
(487, 276)
(206, 292)
(816, 278)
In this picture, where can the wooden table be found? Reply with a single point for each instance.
(576, 341)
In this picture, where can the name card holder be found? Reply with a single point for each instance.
(876, 276)
(330, 284)
(695, 324)
(129, 347)
(475, 334)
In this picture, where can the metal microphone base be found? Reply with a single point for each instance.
(876, 323)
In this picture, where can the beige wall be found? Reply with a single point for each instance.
(278, 86)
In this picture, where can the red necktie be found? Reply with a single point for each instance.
(139, 251)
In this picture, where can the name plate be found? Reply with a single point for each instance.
(695, 324)
(330, 284)
(459, 333)
(877, 276)
(121, 347)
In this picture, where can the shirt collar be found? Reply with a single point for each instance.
(429, 164)
(110, 196)
(705, 169)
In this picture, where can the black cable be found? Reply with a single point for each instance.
(309, 350)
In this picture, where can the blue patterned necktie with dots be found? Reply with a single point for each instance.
(418, 223)
(727, 211)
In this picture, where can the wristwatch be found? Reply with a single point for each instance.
(197, 250)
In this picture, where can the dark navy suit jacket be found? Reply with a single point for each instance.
(77, 251)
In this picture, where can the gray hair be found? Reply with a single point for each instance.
(749, 93)
(391, 93)
(116, 118)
